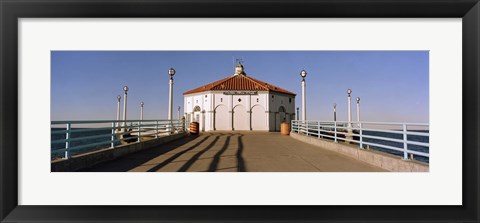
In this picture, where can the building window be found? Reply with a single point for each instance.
(273, 96)
(239, 100)
(196, 101)
(257, 99)
(205, 96)
(281, 102)
(221, 99)
(290, 100)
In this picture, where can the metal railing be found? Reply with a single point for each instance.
(76, 137)
(405, 139)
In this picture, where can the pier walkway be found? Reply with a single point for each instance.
(236, 152)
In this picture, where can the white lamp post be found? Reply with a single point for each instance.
(349, 136)
(171, 72)
(303, 74)
(125, 89)
(349, 92)
(118, 110)
(334, 112)
(358, 112)
(178, 113)
(141, 110)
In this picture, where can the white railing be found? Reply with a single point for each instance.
(407, 139)
(78, 137)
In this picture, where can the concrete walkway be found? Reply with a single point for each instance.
(236, 152)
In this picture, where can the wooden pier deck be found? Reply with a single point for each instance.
(236, 152)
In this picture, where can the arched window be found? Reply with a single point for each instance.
(196, 109)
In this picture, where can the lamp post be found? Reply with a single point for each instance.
(118, 110)
(178, 113)
(171, 72)
(125, 89)
(303, 74)
(141, 110)
(334, 112)
(349, 92)
(358, 112)
(298, 113)
(349, 136)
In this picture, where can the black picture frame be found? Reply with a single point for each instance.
(11, 11)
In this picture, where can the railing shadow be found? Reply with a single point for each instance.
(172, 158)
(195, 157)
(216, 159)
(241, 167)
(138, 159)
(126, 163)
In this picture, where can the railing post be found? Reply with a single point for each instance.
(139, 130)
(67, 143)
(112, 138)
(318, 125)
(183, 124)
(405, 146)
(174, 126)
(361, 138)
(306, 123)
(335, 131)
(156, 129)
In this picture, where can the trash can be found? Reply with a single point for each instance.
(285, 128)
(194, 128)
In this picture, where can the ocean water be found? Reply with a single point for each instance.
(415, 138)
(74, 135)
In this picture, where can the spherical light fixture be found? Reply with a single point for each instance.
(119, 97)
(171, 72)
(349, 91)
(125, 88)
(334, 105)
(141, 104)
(358, 99)
(303, 73)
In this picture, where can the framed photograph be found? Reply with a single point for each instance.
(239, 111)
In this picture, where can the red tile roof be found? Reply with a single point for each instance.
(239, 83)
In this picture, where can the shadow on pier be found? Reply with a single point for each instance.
(204, 153)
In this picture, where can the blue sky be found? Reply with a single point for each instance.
(393, 85)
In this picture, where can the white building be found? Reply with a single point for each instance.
(239, 102)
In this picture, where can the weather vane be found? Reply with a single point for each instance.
(238, 60)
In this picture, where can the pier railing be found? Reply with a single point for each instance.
(404, 139)
(76, 137)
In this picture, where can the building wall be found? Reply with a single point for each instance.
(203, 101)
(280, 102)
(239, 112)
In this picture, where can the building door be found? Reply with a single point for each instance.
(241, 119)
(259, 118)
(279, 118)
(196, 115)
(221, 118)
(203, 121)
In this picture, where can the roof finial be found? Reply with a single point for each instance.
(239, 69)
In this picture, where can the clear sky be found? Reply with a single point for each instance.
(393, 85)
